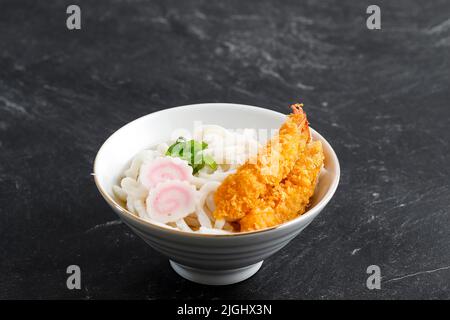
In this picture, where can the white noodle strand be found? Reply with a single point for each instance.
(130, 205)
(219, 223)
(139, 206)
(205, 190)
(181, 224)
(120, 193)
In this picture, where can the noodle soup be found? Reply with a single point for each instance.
(173, 183)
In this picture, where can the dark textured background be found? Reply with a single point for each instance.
(380, 97)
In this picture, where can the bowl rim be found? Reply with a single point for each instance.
(127, 214)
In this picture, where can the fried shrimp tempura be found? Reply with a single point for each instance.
(240, 192)
(278, 186)
(291, 197)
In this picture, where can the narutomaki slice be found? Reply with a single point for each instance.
(171, 200)
(164, 169)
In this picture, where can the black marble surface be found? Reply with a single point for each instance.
(380, 97)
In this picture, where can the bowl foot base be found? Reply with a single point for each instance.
(215, 277)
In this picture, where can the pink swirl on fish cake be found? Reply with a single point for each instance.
(164, 169)
(171, 200)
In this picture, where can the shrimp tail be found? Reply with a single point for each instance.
(297, 111)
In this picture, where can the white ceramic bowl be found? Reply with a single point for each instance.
(203, 258)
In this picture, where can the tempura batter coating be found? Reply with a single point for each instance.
(240, 193)
(291, 197)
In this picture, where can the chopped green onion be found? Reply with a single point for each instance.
(192, 152)
(209, 161)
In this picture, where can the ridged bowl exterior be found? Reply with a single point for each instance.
(215, 253)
